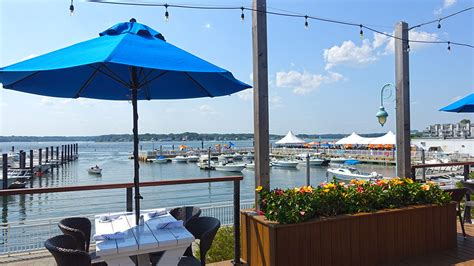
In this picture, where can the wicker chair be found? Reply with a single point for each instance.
(63, 248)
(457, 195)
(80, 229)
(204, 229)
(185, 214)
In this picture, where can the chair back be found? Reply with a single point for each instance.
(204, 229)
(469, 186)
(185, 214)
(79, 228)
(457, 194)
(63, 248)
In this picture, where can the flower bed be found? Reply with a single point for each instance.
(335, 198)
(355, 224)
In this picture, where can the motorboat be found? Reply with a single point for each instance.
(249, 156)
(250, 165)
(339, 160)
(229, 167)
(349, 173)
(313, 161)
(161, 159)
(285, 163)
(17, 178)
(180, 159)
(192, 158)
(238, 156)
(95, 170)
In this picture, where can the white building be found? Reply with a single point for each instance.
(444, 131)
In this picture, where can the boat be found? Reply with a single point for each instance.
(161, 159)
(249, 156)
(339, 159)
(349, 173)
(193, 158)
(313, 161)
(95, 170)
(238, 156)
(179, 159)
(285, 163)
(17, 178)
(225, 157)
(229, 167)
(250, 165)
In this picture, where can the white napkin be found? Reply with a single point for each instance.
(170, 225)
(155, 213)
(116, 235)
(109, 218)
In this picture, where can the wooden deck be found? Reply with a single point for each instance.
(463, 254)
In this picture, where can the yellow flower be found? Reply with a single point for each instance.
(307, 189)
(259, 188)
(329, 185)
(409, 180)
(341, 183)
(353, 181)
(326, 190)
(296, 189)
(425, 187)
(360, 182)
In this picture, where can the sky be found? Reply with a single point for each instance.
(322, 79)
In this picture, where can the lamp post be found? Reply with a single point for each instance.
(382, 114)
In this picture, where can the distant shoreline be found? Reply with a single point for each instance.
(187, 136)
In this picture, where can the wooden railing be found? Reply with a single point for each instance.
(128, 186)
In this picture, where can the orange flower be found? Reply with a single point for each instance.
(326, 190)
(353, 181)
(425, 187)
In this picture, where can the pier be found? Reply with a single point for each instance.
(19, 167)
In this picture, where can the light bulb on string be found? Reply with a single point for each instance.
(408, 46)
(439, 24)
(306, 25)
(167, 15)
(449, 46)
(71, 8)
(242, 16)
(361, 32)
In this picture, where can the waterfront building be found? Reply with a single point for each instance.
(457, 130)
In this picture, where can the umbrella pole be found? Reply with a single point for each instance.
(136, 178)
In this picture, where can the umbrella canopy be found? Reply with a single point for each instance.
(465, 105)
(129, 62)
(290, 139)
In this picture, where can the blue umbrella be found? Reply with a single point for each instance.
(465, 105)
(129, 61)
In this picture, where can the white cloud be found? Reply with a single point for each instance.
(348, 53)
(275, 102)
(304, 82)
(206, 109)
(207, 25)
(412, 35)
(246, 95)
(446, 4)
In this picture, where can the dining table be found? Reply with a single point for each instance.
(121, 242)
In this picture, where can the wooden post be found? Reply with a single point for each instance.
(129, 199)
(236, 223)
(68, 152)
(5, 170)
(403, 100)
(260, 96)
(40, 155)
(57, 154)
(31, 162)
(307, 169)
(22, 159)
(209, 158)
(52, 153)
(47, 154)
(62, 154)
(467, 210)
(423, 161)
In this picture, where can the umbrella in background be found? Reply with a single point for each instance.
(128, 62)
(465, 105)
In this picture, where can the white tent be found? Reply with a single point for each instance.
(290, 139)
(353, 139)
(388, 138)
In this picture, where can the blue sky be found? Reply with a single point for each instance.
(324, 79)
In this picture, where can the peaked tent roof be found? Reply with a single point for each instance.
(388, 138)
(352, 139)
(290, 139)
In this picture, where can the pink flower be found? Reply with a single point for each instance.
(261, 213)
(359, 189)
(302, 213)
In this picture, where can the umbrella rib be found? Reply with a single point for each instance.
(198, 84)
(147, 91)
(18, 81)
(125, 84)
(158, 76)
(147, 75)
(88, 81)
(113, 74)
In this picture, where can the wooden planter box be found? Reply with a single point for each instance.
(359, 239)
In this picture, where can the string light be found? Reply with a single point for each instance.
(449, 46)
(408, 46)
(242, 16)
(439, 23)
(361, 32)
(167, 15)
(71, 8)
(291, 14)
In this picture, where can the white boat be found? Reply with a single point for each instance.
(285, 163)
(193, 158)
(238, 156)
(250, 165)
(179, 159)
(17, 178)
(349, 173)
(229, 167)
(313, 161)
(95, 170)
(249, 156)
(339, 160)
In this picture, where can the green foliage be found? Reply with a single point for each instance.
(465, 121)
(222, 247)
(334, 198)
